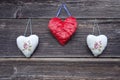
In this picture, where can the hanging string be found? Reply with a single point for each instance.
(96, 26)
(29, 24)
(98, 29)
(66, 9)
(59, 10)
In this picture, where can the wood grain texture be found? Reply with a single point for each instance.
(51, 61)
(58, 70)
(48, 8)
(10, 29)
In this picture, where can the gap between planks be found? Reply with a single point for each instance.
(64, 59)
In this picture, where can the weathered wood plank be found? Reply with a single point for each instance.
(10, 29)
(48, 8)
(59, 70)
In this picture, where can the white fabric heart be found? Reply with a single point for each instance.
(97, 43)
(27, 44)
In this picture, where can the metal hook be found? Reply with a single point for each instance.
(18, 12)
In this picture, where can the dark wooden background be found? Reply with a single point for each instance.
(52, 61)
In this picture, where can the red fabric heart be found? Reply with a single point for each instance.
(63, 30)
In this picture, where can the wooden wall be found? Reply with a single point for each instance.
(52, 61)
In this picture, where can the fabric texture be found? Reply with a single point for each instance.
(62, 30)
